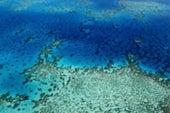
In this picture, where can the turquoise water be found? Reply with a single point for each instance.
(92, 33)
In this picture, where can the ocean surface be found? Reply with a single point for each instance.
(90, 33)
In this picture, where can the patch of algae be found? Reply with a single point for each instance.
(98, 90)
(12, 102)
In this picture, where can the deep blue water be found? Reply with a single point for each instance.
(87, 41)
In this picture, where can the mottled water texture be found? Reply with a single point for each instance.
(84, 56)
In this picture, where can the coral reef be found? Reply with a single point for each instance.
(99, 90)
(88, 90)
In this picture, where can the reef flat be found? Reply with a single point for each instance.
(91, 90)
(74, 90)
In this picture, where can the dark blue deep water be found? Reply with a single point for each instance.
(88, 38)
